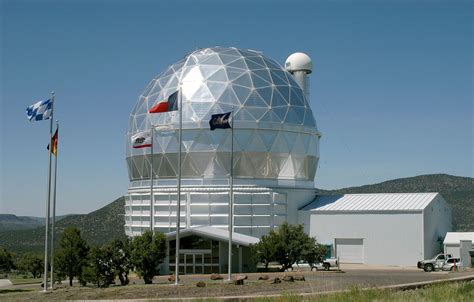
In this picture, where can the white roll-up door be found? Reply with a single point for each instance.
(350, 250)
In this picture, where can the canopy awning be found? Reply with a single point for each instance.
(215, 234)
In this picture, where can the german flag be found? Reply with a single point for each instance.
(54, 142)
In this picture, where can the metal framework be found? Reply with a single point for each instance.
(276, 138)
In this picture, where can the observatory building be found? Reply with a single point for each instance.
(276, 153)
(276, 147)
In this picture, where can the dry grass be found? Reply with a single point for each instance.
(463, 291)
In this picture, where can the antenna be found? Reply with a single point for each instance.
(300, 65)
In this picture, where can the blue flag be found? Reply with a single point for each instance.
(40, 111)
(220, 121)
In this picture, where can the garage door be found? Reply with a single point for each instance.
(350, 250)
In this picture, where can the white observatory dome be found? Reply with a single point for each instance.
(299, 62)
(276, 146)
(275, 132)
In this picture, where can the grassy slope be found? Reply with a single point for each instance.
(97, 228)
(457, 191)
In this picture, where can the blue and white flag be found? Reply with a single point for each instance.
(40, 111)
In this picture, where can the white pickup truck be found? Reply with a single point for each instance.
(326, 264)
(452, 264)
(436, 263)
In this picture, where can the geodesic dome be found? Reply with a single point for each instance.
(275, 134)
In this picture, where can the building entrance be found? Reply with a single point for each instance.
(196, 256)
(193, 261)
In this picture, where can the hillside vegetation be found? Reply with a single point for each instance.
(12, 222)
(107, 223)
(97, 227)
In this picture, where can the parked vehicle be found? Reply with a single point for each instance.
(326, 264)
(451, 264)
(435, 263)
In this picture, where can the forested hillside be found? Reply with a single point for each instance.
(107, 223)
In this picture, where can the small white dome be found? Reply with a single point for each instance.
(299, 61)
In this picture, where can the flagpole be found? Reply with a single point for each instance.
(45, 283)
(54, 206)
(231, 200)
(152, 199)
(178, 209)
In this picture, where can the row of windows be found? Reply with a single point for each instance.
(246, 230)
(252, 211)
(212, 198)
(166, 210)
(212, 220)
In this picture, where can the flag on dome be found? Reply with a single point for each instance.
(54, 143)
(40, 111)
(164, 130)
(220, 120)
(141, 139)
(168, 104)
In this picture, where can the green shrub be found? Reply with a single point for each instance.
(148, 252)
(73, 254)
(287, 245)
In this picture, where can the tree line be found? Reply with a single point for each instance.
(29, 262)
(102, 265)
(98, 265)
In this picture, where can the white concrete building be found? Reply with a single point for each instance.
(379, 229)
(452, 242)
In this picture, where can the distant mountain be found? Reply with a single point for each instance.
(12, 222)
(457, 191)
(107, 223)
(97, 227)
(9, 222)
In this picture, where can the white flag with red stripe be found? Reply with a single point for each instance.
(141, 139)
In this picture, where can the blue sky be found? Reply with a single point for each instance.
(391, 88)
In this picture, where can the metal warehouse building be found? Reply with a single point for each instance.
(379, 229)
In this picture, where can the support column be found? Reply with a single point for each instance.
(240, 258)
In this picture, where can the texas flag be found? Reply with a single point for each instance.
(168, 104)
